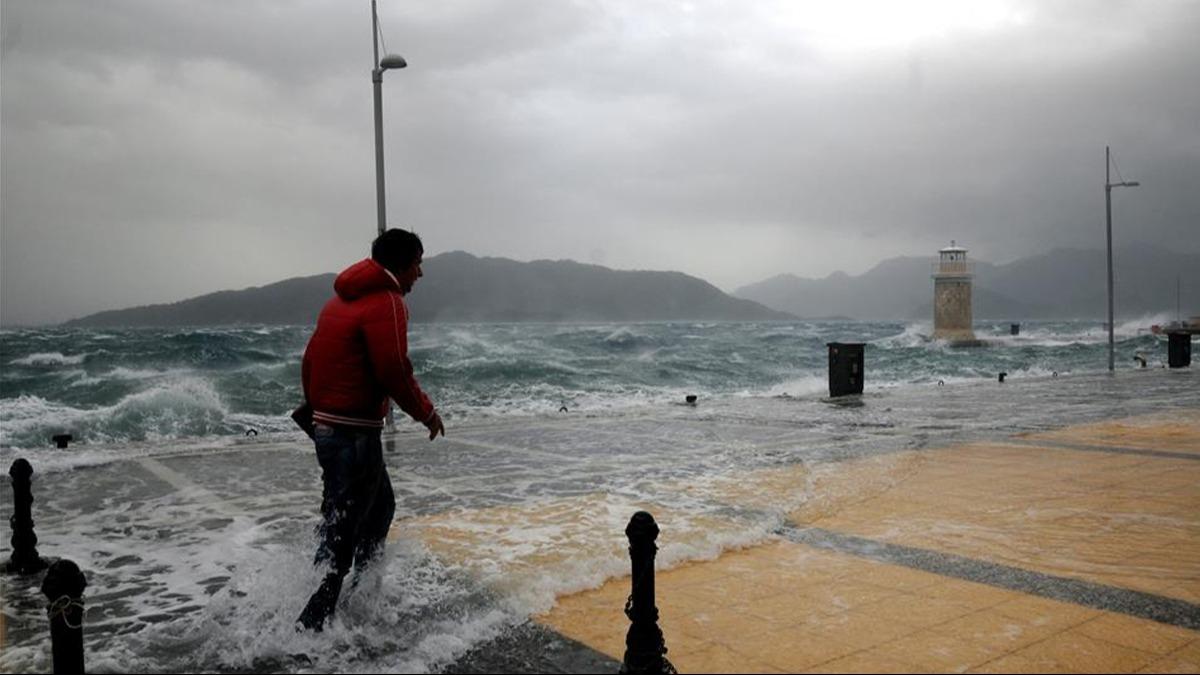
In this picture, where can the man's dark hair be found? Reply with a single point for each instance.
(396, 249)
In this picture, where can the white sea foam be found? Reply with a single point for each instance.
(801, 386)
(49, 359)
(123, 373)
(1141, 325)
(623, 336)
(914, 335)
(555, 550)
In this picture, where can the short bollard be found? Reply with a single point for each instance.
(25, 558)
(63, 587)
(645, 649)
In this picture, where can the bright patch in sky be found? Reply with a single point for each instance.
(848, 25)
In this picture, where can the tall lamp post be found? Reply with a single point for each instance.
(1108, 186)
(389, 62)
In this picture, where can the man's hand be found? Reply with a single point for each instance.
(435, 426)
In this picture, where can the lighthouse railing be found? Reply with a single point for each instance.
(952, 268)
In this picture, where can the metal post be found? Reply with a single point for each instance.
(377, 82)
(25, 558)
(644, 647)
(1108, 232)
(380, 205)
(63, 587)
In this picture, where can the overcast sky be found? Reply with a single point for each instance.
(154, 150)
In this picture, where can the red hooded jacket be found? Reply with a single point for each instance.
(358, 356)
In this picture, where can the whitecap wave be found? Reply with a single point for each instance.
(177, 408)
(622, 335)
(1141, 325)
(914, 335)
(49, 359)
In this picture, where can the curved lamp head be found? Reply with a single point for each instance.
(392, 61)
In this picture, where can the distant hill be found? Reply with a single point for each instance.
(291, 301)
(1063, 283)
(461, 287)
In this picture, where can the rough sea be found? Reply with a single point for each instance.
(190, 501)
(184, 385)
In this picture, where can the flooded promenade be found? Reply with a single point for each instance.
(1045, 523)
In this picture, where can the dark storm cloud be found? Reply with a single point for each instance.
(154, 150)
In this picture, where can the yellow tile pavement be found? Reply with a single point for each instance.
(1125, 520)
(808, 623)
(1061, 512)
(1174, 431)
(1183, 660)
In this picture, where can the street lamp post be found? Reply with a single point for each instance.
(1108, 186)
(391, 61)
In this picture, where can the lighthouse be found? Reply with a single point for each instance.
(952, 276)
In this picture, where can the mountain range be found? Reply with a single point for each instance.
(1059, 284)
(458, 286)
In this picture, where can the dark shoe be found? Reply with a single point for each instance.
(321, 605)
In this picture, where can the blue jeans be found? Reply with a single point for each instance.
(357, 503)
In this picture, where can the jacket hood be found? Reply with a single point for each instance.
(363, 278)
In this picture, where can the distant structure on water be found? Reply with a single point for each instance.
(952, 297)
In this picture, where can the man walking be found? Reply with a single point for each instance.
(355, 361)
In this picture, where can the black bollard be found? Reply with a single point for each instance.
(25, 558)
(63, 587)
(644, 646)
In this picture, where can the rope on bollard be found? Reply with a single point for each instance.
(63, 587)
(61, 606)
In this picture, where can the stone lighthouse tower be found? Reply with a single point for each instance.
(952, 296)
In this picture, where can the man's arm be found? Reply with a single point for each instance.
(387, 346)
